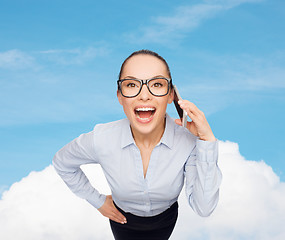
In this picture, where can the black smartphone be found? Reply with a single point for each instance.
(181, 113)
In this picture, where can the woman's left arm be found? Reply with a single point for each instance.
(203, 177)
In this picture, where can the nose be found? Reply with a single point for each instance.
(144, 94)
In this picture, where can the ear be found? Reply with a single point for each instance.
(119, 95)
(171, 96)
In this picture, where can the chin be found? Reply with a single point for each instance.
(146, 127)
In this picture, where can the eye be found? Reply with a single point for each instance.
(157, 84)
(131, 85)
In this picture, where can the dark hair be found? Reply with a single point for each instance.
(145, 52)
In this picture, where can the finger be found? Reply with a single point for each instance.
(191, 115)
(189, 107)
(118, 215)
(193, 107)
(114, 216)
(178, 121)
(192, 128)
(117, 219)
(195, 114)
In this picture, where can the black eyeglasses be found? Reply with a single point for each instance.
(157, 86)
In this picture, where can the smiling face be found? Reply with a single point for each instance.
(145, 112)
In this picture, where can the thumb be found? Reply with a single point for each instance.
(178, 121)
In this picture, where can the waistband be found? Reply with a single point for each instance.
(164, 219)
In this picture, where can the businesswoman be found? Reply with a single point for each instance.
(146, 157)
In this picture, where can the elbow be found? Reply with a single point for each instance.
(58, 164)
(205, 207)
(205, 212)
(55, 162)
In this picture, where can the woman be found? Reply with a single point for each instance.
(146, 157)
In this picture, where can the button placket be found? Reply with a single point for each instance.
(146, 196)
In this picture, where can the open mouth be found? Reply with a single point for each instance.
(145, 113)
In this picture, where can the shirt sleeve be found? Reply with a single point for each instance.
(203, 177)
(67, 162)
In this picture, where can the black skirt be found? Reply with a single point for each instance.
(158, 227)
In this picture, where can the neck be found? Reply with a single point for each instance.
(149, 140)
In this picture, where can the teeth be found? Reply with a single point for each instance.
(145, 109)
(142, 118)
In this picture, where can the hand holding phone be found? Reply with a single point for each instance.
(182, 114)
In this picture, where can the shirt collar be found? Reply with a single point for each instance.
(167, 138)
(127, 137)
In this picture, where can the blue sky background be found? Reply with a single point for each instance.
(59, 62)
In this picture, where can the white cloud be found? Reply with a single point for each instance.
(3, 188)
(76, 56)
(19, 60)
(243, 71)
(251, 206)
(45, 88)
(211, 81)
(15, 59)
(41, 207)
(168, 29)
(251, 202)
(215, 82)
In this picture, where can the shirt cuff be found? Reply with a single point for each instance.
(207, 151)
(97, 203)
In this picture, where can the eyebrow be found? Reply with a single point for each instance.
(131, 77)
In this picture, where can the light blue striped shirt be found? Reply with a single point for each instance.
(179, 156)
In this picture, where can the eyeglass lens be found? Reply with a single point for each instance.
(131, 87)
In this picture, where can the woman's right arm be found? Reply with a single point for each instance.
(67, 162)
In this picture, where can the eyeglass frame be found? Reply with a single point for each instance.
(145, 82)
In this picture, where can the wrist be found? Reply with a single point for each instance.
(209, 139)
